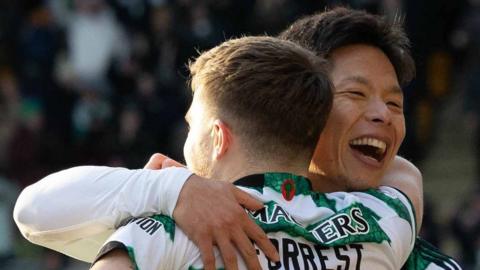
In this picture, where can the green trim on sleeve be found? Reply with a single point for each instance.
(168, 224)
(131, 254)
(396, 204)
(411, 206)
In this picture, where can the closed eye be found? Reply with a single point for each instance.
(395, 104)
(356, 93)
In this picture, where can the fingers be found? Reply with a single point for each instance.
(253, 231)
(216, 218)
(206, 251)
(227, 250)
(256, 234)
(155, 161)
(159, 161)
(247, 250)
(246, 200)
(168, 162)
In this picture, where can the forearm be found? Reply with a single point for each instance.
(71, 206)
(115, 260)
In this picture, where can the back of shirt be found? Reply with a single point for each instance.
(360, 230)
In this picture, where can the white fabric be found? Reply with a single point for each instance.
(75, 210)
(153, 249)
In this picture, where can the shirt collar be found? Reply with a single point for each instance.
(276, 181)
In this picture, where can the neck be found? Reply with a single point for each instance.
(324, 183)
(236, 170)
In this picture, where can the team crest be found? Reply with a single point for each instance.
(288, 189)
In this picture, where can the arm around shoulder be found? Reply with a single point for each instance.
(66, 208)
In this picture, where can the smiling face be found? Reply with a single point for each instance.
(366, 125)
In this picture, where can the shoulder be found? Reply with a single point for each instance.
(426, 256)
(151, 242)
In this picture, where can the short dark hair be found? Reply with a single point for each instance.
(338, 27)
(274, 93)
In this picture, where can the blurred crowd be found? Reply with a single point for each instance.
(104, 82)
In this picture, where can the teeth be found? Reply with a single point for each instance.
(382, 146)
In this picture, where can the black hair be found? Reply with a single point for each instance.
(326, 31)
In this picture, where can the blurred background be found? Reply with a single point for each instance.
(103, 82)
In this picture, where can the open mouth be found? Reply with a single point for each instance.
(370, 147)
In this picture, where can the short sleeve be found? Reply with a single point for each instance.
(150, 242)
(397, 219)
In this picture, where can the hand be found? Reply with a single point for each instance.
(212, 213)
(159, 161)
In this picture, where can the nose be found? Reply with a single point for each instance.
(378, 112)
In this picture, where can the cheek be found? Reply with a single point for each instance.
(342, 113)
(336, 128)
(400, 130)
(328, 144)
(402, 133)
(187, 151)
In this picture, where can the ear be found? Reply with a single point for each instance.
(222, 139)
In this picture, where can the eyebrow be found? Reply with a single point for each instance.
(358, 79)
